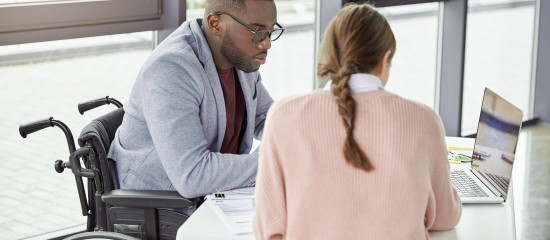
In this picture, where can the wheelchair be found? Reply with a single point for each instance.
(113, 213)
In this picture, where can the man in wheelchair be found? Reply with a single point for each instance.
(197, 104)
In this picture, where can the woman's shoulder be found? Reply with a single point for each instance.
(301, 103)
(420, 111)
(411, 104)
(293, 100)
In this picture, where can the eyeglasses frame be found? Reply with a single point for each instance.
(267, 32)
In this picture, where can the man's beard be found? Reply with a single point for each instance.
(236, 57)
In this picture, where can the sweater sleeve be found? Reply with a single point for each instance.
(444, 206)
(270, 216)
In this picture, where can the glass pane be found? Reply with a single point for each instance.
(289, 69)
(49, 79)
(499, 41)
(290, 64)
(413, 70)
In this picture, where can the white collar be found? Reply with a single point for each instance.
(360, 82)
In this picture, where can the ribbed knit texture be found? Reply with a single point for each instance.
(306, 189)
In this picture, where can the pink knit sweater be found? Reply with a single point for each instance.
(306, 190)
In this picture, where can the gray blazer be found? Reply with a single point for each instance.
(175, 122)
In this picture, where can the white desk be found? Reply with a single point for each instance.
(478, 221)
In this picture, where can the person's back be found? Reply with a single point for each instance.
(391, 181)
(327, 198)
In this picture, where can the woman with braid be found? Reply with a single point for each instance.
(354, 161)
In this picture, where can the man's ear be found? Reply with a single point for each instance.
(214, 24)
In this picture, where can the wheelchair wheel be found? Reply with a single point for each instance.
(100, 236)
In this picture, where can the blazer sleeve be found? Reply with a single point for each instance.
(171, 104)
(270, 216)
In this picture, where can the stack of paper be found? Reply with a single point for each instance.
(235, 208)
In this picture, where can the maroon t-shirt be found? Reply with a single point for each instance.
(235, 107)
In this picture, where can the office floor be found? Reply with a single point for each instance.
(533, 215)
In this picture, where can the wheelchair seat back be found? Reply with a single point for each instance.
(145, 221)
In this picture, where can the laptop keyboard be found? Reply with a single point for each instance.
(465, 185)
(500, 181)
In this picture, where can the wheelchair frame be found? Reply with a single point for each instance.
(102, 198)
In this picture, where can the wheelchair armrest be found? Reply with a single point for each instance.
(147, 199)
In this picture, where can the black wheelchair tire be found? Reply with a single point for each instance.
(100, 235)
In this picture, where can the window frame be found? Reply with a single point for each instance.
(46, 21)
(451, 51)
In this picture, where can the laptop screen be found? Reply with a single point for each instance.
(497, 139)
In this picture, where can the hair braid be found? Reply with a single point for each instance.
(346, 107)
(355, 41)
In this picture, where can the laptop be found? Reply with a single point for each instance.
(487, 178)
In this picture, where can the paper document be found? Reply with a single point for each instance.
(235, 210)
(456, 150)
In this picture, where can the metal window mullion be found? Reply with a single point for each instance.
(325, 10)
(173, 15)
(540, 99)
(450, 61)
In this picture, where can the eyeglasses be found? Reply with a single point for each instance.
(259, 35)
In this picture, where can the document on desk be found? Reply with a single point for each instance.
(235, 210)
(460, 149)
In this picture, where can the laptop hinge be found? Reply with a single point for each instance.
(487, 183)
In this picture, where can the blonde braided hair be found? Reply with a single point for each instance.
(355, 42)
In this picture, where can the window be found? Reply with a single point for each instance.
(23, 21)
(290, 63)
(42, 79)
(413, 73)
(499, 44)
(49, 79)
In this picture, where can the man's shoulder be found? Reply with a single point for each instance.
(186, 46)
(180, 41)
